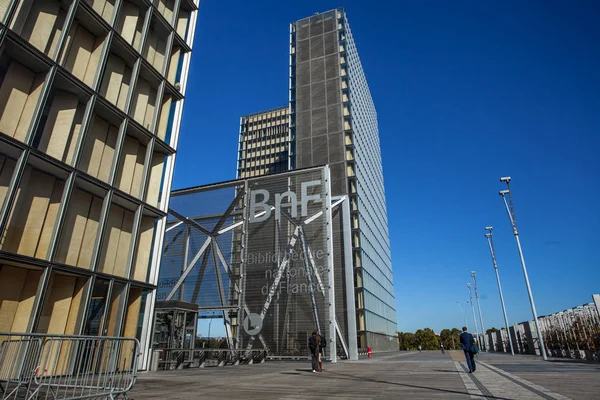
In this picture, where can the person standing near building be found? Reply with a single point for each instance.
(322, 345)
(467, 343)
(314, 344)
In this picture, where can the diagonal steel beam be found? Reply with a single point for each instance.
(227, 212)
(189, 268)
(190, 222)
(173, 226)
(200, 277)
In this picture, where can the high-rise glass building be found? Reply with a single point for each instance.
(91, 96)
(333, 121)
(264, 143)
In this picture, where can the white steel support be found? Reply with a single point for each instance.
(331, 289)
(189, 268)
(349, 278)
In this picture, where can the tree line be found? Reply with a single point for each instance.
(429, 340)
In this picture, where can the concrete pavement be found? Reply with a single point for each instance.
(414, 375)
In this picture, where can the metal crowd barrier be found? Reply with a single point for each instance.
(199, 358)
(40, 366)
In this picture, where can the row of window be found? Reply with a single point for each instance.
(69, 303)
(59, 216)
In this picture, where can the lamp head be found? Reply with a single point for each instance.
(505, 179)
(489, 228)
(487, 235)
(503, 192)
(473, 273)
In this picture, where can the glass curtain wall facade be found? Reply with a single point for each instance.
(264, 143)
(333, 121)
(91, 95)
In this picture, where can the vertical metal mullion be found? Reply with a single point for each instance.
(39, 107)
(121, 311)
(87, 299)
(85, 124)
(147, 168)
(137, 221)
(176, 10)
(145, 30)
(66, 28)
(101, 227)
(13, 187)
(60, 217)
(9, 12)
(158, 106)
(125, 300)
(38, 303)
(116, 13)
(107, 307)
(103, 60)
(118, 150)
(168, 48)
(135, 73)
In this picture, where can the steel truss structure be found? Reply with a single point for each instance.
(266, 266)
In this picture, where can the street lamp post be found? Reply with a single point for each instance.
(473, 273)
(464, 315)
(510, 210)
(473, 310)
(490, 240)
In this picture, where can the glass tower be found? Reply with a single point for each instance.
(333, 121)
(91, 96)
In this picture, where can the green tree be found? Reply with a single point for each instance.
(406, 341)
(491, 330)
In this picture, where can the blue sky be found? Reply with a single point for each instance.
(465, 92)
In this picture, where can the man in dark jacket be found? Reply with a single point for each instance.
(314, 344)
(467, 342)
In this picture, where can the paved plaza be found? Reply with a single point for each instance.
(410, 375)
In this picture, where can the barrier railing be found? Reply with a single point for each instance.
(198, 358)
(40, 366)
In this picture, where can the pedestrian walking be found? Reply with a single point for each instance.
(467, 343)
(442, 347)
(419, 348)
(314, 344)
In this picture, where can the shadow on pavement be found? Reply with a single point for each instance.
(357, 378)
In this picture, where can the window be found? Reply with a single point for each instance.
(21, 85)
(99, 146)
(156, 44)
(82, 51)
(41, 23)
(33, 216)
(80, 228)
(155, 181)
(8, 162)
(117, 76)
(144, 247)
(130, 170)
(18, 288)
(144, 102)
(114, 257)
(62, 312)
(131, 22)
(105, 8)
(59, 129)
